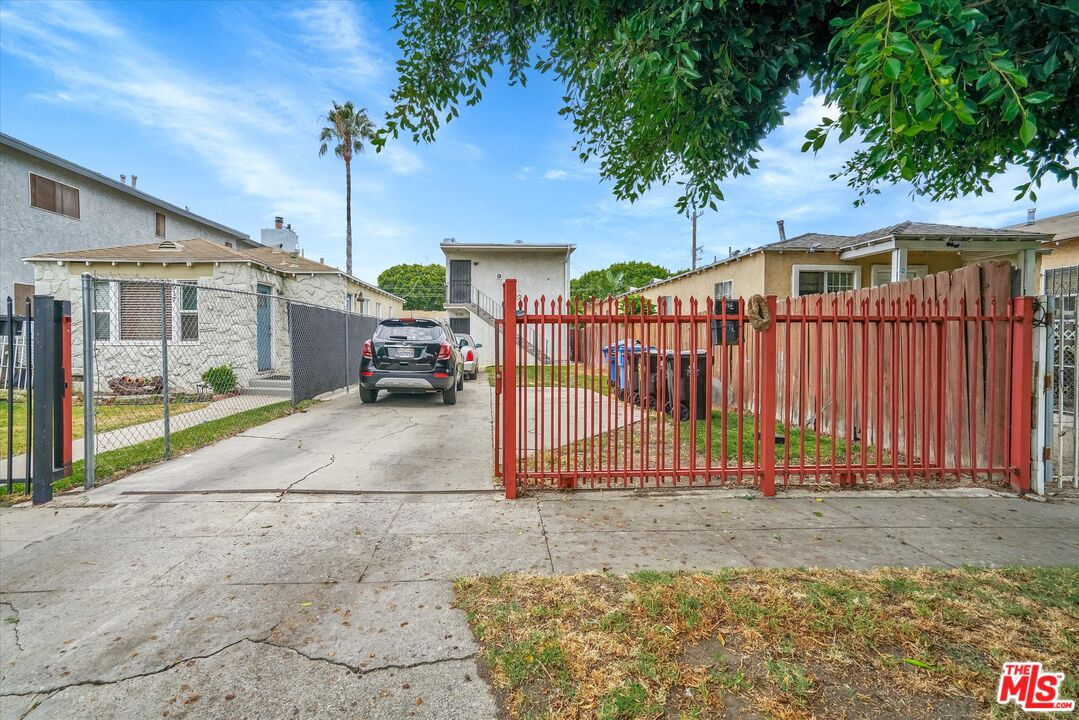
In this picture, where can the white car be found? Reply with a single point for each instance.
(470, 354)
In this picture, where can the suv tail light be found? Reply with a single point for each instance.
(367, 350)
(470, 357)
(444, 351)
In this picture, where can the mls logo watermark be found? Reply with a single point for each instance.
(1032, 690)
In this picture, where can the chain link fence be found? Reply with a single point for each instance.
(175, 356)
(1061, 288)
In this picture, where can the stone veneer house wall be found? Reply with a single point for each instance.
(49, 204)
(216, 326)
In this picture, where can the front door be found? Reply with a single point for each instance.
(263, 326)
(460, 281)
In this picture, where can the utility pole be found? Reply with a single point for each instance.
(693, 215)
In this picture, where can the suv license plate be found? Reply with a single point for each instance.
(403, 353)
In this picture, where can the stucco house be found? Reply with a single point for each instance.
(1059, 268)
(474, 275)
(49, 204)
(247, 331)
(817, 263)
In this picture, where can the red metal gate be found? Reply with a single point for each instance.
(894, 387)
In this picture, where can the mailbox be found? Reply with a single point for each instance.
(730, 333)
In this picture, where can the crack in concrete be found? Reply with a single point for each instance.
(546, 542)
(360, 671)
(284, 492)
(14, 625)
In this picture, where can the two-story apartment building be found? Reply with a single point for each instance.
(49, 204)
(474, 275)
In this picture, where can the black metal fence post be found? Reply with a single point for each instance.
(44, 395)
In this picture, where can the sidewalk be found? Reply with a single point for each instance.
(202, 589)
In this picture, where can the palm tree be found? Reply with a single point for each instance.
(348, 127)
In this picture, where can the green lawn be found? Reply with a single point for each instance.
(801, 441)
(784, 644)
(114, 464)
(108, 417)
(567, 376)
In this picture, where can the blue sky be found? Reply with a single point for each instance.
(217, 106)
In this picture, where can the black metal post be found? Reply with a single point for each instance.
(45, 397)
(10, 392)
(29, 378)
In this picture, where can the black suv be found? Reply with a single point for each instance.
(412, 355)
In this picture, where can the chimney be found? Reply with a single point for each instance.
(134, 179)
(278, 222)
(1030, 215)
(123, 179)
(322, 260)
(782, 231)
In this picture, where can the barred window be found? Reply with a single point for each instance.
(189, 312)
(140, 311)
(102, 310)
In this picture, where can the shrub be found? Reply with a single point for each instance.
(221, 378)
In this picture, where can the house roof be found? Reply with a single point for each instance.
(524, 247)
(199, 250)
(1062, 227)
(837, 243)
(15, 143)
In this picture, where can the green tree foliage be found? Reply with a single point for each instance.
(616, 279)
(422, 286)
(945, 94)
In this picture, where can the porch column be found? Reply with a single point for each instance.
(1026, 261)
(899, 264)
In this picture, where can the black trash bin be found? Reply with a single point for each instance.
(649, 384)
(685, 371)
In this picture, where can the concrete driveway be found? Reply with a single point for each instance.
(199, 589)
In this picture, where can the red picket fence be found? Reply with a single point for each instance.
(926, 382)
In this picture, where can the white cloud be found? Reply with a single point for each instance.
(555, 175)
(401, 161)
(256, 138)
(524, 173)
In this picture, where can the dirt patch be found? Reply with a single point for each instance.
(787, 644)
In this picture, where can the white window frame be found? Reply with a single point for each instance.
(378, 311)
(726, 296)
(665, 305)
(923, 269)
(178, 312)
(798, 269)
(113, 310)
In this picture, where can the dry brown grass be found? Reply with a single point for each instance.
(785, 644)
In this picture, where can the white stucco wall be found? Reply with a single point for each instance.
(109, 217)
(227, 320)
(539, 273)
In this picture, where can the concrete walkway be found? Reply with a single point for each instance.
(227, 598)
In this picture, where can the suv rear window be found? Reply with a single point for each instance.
(423, 330)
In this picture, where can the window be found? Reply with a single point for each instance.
(882, 274)
(723, 290)
(55, 197)
(813, 279)
(666, 304)
(378, 310)
(461, 324)
(159, 224)
(348, 302)
(140, 311)
(102, 310)
(189, 312)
